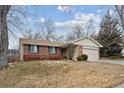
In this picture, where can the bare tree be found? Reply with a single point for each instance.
(47, 31)
(3, 35)
(70, 37)
(120, 12)
(17, 19)
(78, 31)
(56, 38)
(82, 30)
(37, 35)
(28, 34)
(11, 21)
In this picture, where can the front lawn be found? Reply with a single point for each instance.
(67, 74)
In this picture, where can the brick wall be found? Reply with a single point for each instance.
(43, 53)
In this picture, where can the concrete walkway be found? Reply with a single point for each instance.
(121, 62)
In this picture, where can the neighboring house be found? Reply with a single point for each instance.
(13, 55)
(32, 49)
(13, 52)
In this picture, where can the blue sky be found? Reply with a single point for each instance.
(62, 18)
(57, 15)
(51, 11)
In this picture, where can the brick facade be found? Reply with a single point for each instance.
(43, 53)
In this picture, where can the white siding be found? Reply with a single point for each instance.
(122, 52)
(86, 42)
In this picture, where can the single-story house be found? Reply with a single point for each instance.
(33, 49)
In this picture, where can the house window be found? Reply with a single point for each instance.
(33, 48)
(52, 50)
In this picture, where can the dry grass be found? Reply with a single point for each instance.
(78, 74)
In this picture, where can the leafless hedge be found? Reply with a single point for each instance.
(13, 58)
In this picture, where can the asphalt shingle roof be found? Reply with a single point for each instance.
(40, 42)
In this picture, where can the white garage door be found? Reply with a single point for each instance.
(93, 54)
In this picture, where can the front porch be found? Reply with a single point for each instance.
(78, 50)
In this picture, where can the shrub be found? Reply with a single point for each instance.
(65, 57)
(121, 56)
(80, 58)
(85, 57)
(13, 58)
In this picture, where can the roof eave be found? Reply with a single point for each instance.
(99, 45)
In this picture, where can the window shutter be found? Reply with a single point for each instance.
(29, 48)
(38, 48)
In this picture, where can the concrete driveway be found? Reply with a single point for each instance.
(121, 62)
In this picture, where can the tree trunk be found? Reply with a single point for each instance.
(3, 36)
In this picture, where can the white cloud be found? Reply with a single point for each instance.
(79, 19)
(99, 10)
(87, 17)
(41, 20)
(64, 8)
(67, 24)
